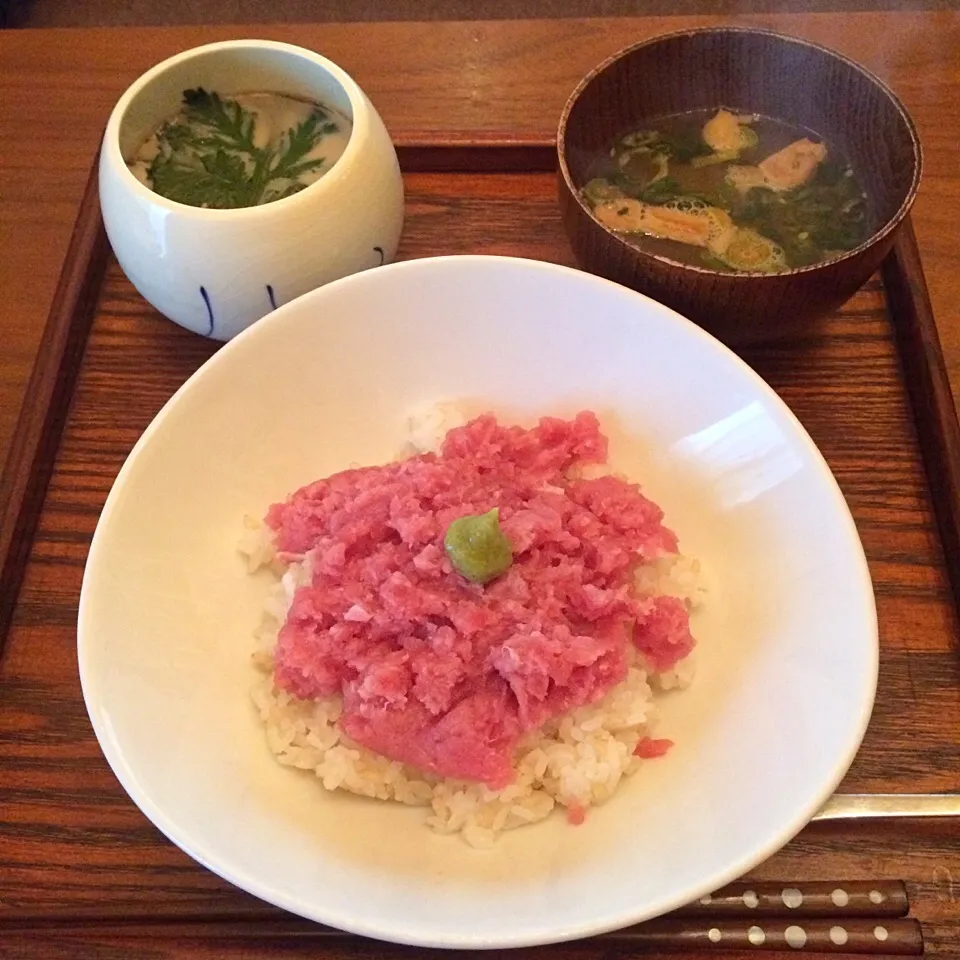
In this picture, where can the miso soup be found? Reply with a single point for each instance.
(240, 151)
(728, 191)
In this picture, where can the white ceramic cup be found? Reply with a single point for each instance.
(217, 271)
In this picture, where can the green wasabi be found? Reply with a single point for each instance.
(478, 548)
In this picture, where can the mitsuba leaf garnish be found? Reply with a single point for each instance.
(209, 156)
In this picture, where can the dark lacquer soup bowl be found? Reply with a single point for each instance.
(759, 73)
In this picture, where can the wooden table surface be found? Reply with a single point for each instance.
(500, 77)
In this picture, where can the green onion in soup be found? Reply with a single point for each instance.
(729, 191)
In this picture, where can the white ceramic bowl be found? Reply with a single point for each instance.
(217, 271)
(787, 654)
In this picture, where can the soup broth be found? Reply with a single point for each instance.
(240, 151)
(732, 192)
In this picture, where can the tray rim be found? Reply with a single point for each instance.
(46, 399)
(49, 391)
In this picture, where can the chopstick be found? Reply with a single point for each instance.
(852, 917)
(841, 935)
(881, 898)
(805, 917)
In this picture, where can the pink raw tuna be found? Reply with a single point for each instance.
(649, 749)
(445, 674)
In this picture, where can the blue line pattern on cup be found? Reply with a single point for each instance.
(206, 300)
(272, 298)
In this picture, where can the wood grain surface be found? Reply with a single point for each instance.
(506, 76)
(37, 436)
(142, 13)
(98, 880)
(934, 410)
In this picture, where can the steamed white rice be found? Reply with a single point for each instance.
(577, 761)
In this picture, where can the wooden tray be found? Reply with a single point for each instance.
(83, 872)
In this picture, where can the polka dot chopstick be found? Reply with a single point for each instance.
(814, 917)
(882, 898)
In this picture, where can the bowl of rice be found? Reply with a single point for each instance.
(477, 602)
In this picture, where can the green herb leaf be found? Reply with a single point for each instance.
(299, 141)
(226, 122)
(210, 158)
(219, 180)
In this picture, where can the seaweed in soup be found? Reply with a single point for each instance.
(728, 191)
